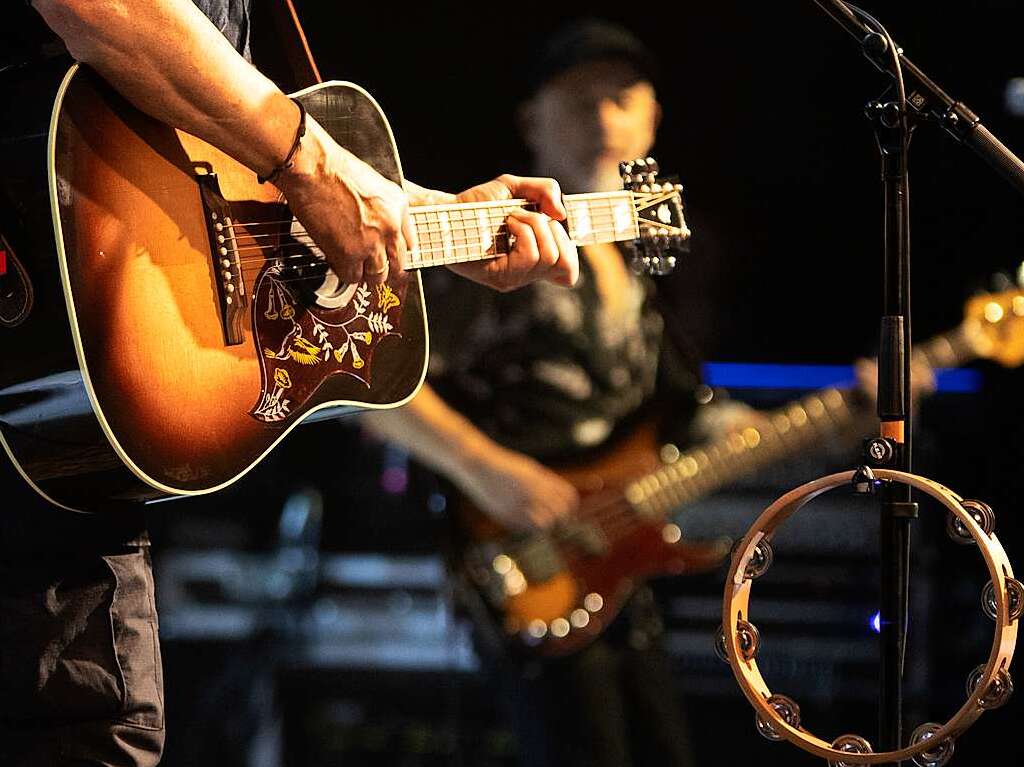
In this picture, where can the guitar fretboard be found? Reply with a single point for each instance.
(783, 433)
(462, 232)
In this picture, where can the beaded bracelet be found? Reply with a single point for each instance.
(289, 160)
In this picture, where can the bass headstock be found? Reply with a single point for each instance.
(995, 326)
(658, 202)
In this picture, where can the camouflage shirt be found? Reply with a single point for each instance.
(545, 370)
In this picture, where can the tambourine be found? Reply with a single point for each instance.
(778, 717)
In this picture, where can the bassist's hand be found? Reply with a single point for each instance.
(517, 491)
(359, 219)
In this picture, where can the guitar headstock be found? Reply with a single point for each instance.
(994, 323)
(664, 235)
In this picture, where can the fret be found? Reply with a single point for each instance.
(446, 233)
(703, 470)
(484, 235)
(462, 232)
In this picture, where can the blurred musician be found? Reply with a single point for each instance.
(544, 376)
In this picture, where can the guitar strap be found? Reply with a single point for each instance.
(294, 43)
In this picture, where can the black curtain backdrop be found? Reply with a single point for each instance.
(764, 124)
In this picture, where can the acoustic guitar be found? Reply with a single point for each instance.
(552, 592)
(182, 322)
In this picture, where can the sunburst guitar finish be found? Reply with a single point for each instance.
(184, 326)
(167, 321)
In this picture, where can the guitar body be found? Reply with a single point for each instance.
(180, 327)
(555, 592)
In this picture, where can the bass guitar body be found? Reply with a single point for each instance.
(550, 593)
(181, 322)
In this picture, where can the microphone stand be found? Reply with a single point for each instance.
(918, 100)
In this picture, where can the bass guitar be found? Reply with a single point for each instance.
(552, 592)
(182, 321)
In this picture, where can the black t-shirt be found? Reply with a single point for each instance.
(27, 523)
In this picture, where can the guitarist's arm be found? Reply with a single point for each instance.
(511, 487)
(168, 59)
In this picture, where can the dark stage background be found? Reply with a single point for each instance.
(763, 122)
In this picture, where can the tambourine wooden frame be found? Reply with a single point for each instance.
(736, 605)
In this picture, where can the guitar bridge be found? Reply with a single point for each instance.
(226, 261)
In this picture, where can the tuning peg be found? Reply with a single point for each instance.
(652, 165)
(641, 162)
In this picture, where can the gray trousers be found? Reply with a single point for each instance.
(80, 676)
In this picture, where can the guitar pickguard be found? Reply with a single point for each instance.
(301, 343)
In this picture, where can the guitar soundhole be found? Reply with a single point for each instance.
(307, 270)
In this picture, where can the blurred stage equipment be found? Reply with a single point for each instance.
(988, 687)
(916, 100)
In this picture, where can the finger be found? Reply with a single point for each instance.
(572, 497)
(544, 192)
(547, 246)
(398, 254)
(523, 258)
(351, 274)
(540, 517)
(375, 267)
(412, 243)
(567, 269)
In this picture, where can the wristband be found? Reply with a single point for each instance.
(289, 159)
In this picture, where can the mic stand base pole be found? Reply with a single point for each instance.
(892, 448)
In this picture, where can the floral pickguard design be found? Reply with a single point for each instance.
(301, 345)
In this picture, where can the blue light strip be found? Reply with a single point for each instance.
(748, 375)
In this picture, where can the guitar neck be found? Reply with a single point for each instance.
(784, 433)
(461, 232)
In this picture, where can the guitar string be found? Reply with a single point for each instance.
(618, 516)
(603, 220)
(597, 229)
(460, 211)
(419, 257)
(772, 440)
(607, 211)
(455, 232)
(253, 266)
(621, 517)
(831, 420)
(428, 226)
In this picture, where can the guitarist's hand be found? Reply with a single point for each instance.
(359, 219)
(542, 250)
(517, 491)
